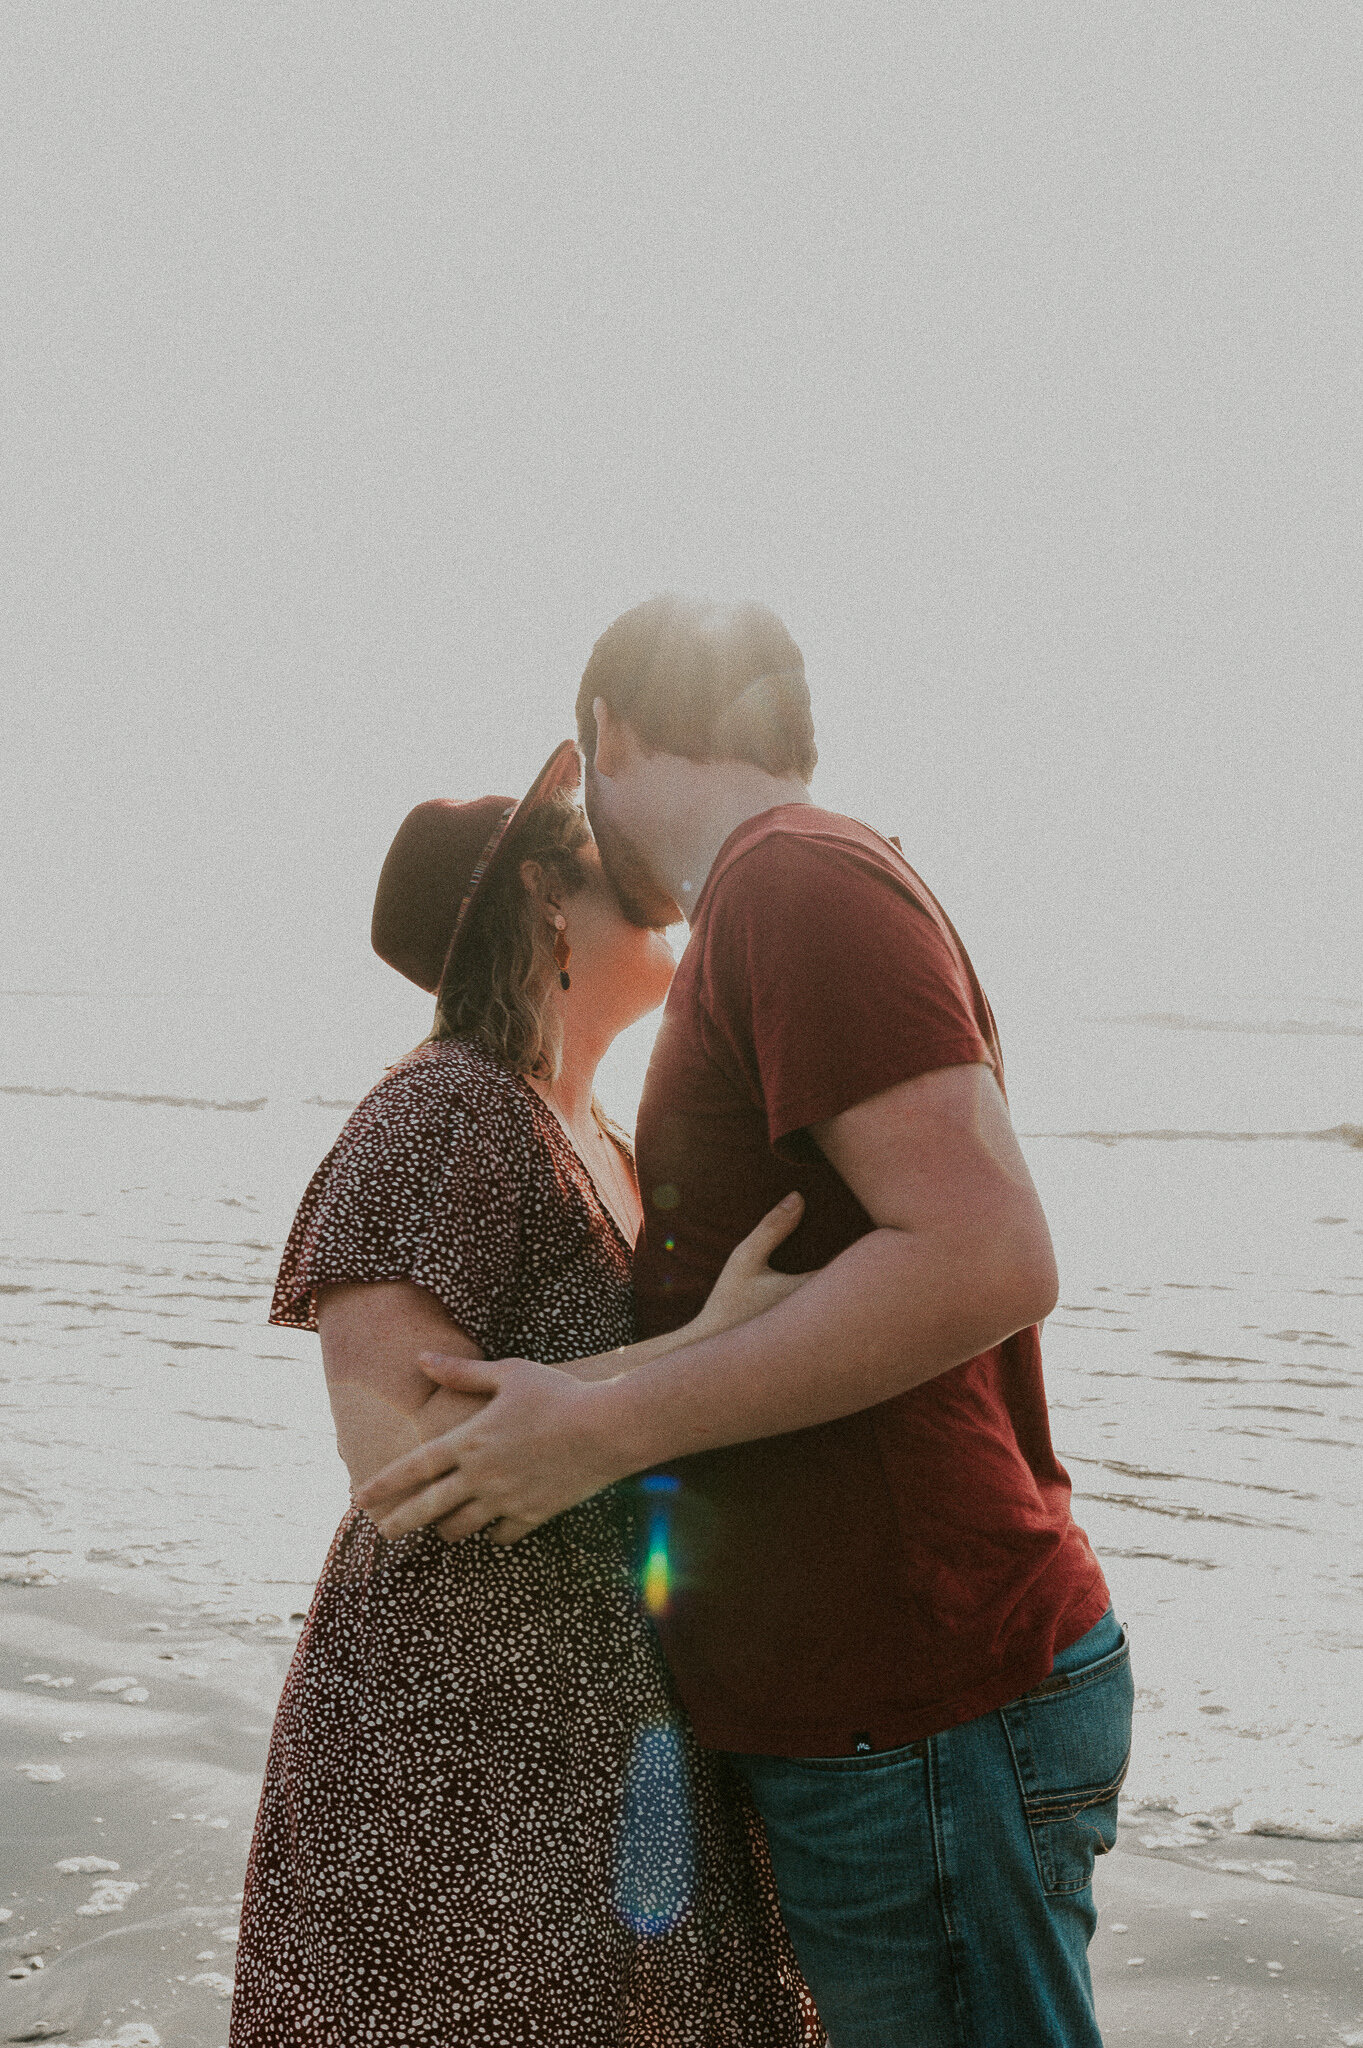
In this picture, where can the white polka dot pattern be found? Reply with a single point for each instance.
(455, 1843)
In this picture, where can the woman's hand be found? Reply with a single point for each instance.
(746, 1286)
(541, 1421)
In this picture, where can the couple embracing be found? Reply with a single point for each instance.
(846, 1762)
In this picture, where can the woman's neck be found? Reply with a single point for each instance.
(570, 1093)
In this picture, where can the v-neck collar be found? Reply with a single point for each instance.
(565, 1138)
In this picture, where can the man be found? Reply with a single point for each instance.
(884, 1613)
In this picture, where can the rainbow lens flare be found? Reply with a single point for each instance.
(656, 1578)
(657, 1585)
(655, 1861)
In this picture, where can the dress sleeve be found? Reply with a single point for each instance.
(828, 981)
(422, 1191)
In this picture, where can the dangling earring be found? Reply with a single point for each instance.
(563, 952)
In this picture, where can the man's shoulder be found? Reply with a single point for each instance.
(805, 826)
(802, 850)
(812, 890)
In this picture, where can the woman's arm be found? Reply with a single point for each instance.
(959, 1258)
(382, 1403)
(746, 1287)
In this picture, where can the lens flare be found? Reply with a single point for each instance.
(656, 1577)
(657, 1586)
(655, 1863)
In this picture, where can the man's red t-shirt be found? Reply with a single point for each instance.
(877, 1579)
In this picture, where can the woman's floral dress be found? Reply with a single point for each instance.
(484, 1819)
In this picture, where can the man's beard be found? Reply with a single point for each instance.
(640, 895)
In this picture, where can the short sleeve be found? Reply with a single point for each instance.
(418, 1187)
(828, 979)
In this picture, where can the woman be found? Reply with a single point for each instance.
(483, 1819)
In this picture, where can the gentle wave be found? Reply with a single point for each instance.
(1197, 1564)
(169, 1101)
(1170, 1020)
(1125, 1471)
(115, 1095)
(243, 1421)
(1183, 1512)
(1338, 1134)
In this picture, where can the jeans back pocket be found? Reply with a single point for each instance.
(1071, 1744)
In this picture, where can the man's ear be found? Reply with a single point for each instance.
(615, 743)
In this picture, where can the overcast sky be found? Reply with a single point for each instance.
(361, 363)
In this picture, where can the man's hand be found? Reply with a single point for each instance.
(531, 1465)
(535, 1449)
(382, 1402)
(959, 1259)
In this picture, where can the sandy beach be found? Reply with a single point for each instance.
(171, 1483)
(360, 368)
(146, 1795)
(152, 1811)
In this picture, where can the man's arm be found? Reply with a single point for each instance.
(960, 1259)
(374, 1335)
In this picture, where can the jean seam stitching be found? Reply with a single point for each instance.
(959, 1989)
(854, 1766)
(1072, 1682)
(1043, 1807)
(1020, 1773)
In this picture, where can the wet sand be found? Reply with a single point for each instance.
(1189, 1953)
(1203, 1365)
(161, 1790)
(160, 1740)
(1206, 1393)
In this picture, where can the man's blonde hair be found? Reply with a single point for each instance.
(708, 681)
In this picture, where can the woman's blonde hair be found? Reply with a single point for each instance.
(497, 992)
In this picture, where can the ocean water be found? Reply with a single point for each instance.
(1204, 1179)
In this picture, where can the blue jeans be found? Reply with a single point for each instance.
(940, 1896)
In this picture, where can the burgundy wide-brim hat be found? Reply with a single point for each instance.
(442, 856)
